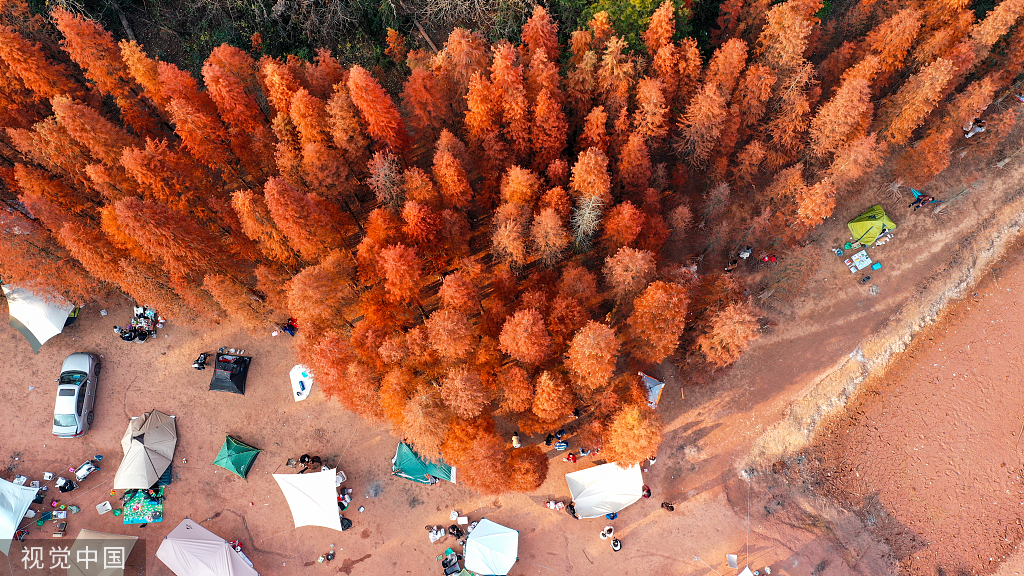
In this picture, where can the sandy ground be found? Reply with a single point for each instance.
(708, 436)
(930, 457)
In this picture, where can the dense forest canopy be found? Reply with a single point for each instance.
(513, 235)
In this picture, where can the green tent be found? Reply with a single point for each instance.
(867, 227)
(408, 464)
(236, 456)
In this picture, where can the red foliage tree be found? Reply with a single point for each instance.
(549, 129)
(528, 467)
(311, 224)
(732, 330)
(657, 321)
(909, 107)
(525, 338)
(383, 121)
(628, 271)
(633, 435)
(452, 178)
(549, 236)
(595, 130)
(258, 224)
(509, 238)
(726, 64)
(27, 61)
(847, 113)
(459, 293)
(100, 136)
(554, 398)
(238, 301)
(634, 170)
(701, 124)
(622, 226)
(451, 334)
(464, 393)
(421, 224)
(590, 176)
(650, 120)
(403, 272)
(661, 28)
(753, 92)
(541, 33)
(592, 355)
(516, 390)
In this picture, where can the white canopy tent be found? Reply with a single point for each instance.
(604, 489)
(191, 550)
(491, 548)
(148, 446)
(312, 497)
(14, 503)
(82, 561)
(34, 317)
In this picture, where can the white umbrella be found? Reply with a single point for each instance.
(604, 489)
(14, 503)
(312, 497)
(34, 317)
(191, 550)
(148, 446)
(491, 548)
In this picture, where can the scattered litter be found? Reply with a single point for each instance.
(362, 508)
(103, 312)
(454, 514)
(31, 388)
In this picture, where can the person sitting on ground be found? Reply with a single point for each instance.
(616, 545)
(454, 530)
(571, 509)
(921, 201)
(570, 458)
(608, 532)
(746, 252)
(129, 334)
(731, 265)
(515, 441)
(646, 491)
(976, 126)
(549, 439)
(668, 506)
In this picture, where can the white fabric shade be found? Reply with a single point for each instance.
(491, 548)
(86, 564)
(14, 503)
(148, 446)
(312, 497)
(604, 489)
(34, 317)
(191, 550)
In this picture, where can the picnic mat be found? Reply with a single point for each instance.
(140, 509)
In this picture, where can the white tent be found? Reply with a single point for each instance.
(14, 503)
(191, 550)
(604, 489)
(312, 497)
(89, 554)
(491, 548)
(34, 317)
(148, 446)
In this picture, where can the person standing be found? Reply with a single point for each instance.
(515, 440)
(668, 506)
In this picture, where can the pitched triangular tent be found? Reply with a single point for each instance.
(407, 464)
(148, 446)
(191, 550)
(491, 548)
(229, 373)
(37, 319)
(82, 563)
(14, 503)
(604, 489)
(654, 388)
(236, 456)
(867, 227)
(312, 497)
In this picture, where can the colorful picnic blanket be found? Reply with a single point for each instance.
(141, 509)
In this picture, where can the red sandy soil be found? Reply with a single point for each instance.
(930, 456)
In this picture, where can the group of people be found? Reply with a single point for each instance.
(143, 325)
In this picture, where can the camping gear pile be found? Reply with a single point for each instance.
(488, 547)
(230, 371)
(142, 326)
(872, 228)
(37, 319)
(143, 506)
